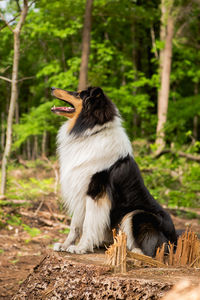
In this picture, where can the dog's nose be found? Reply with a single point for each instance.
(53, 88)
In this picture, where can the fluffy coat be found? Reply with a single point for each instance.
(101, 184)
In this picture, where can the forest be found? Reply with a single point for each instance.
(145, 55)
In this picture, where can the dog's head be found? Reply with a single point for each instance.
(86, 108)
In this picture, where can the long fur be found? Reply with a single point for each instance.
(101, 184)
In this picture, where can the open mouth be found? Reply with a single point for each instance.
(63, 109)
(69, 98)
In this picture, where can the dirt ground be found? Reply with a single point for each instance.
(20, 252)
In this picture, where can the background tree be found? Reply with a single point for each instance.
(124, 46)
(83, 75)
(166, 36)
(14, 90)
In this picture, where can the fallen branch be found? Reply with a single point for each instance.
(16, 201)
(189, 156)
(145, 259)
(43, 220)
(179, 153)
(23, 162)
(48, 215)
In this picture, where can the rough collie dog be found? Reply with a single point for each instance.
(101, 183)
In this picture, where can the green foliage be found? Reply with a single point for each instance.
(35, 122)
(180, 115)
(187, 214)
(64, 231)
(123, 61)
(173, 181)
(15, 220)
(30, 184)
(29, 188)
(32, 231)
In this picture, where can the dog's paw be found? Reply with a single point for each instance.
(137, 250)
(57, 247)
(60, 247)
(76, 249)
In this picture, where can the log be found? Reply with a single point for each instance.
(65, 276)
(179, 153)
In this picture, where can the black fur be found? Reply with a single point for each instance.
(97, 110)
(124, 185)
(148, 233)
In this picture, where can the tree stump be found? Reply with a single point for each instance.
(65, 276)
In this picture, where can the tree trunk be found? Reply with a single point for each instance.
(2, 130)
(165, 70)
(44, 142)
(28, 145)
(83, 76)
(17, 112)
(196, 118)
(195, 127)
(35, 148)
(14, 95)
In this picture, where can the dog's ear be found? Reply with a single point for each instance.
(97, 92)
(85, 93)
(92, 93)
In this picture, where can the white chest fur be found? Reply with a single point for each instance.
(81, 157)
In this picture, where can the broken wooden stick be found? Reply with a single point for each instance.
(147, 260)
(116, 253)
(186, 253)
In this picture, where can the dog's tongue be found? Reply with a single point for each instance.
(62, 109)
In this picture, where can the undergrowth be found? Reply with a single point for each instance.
(172, 180)
(31, 183)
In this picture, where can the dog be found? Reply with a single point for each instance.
(101, 184)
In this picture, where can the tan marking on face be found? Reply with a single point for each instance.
(77, 112)
(75, 101)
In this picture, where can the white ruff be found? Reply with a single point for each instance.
(81, 157)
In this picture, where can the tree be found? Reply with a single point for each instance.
(14, 90)
(166, 36)
(121, 61)
(83, 75)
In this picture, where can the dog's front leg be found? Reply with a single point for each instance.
(96, 222)
(75, 230)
